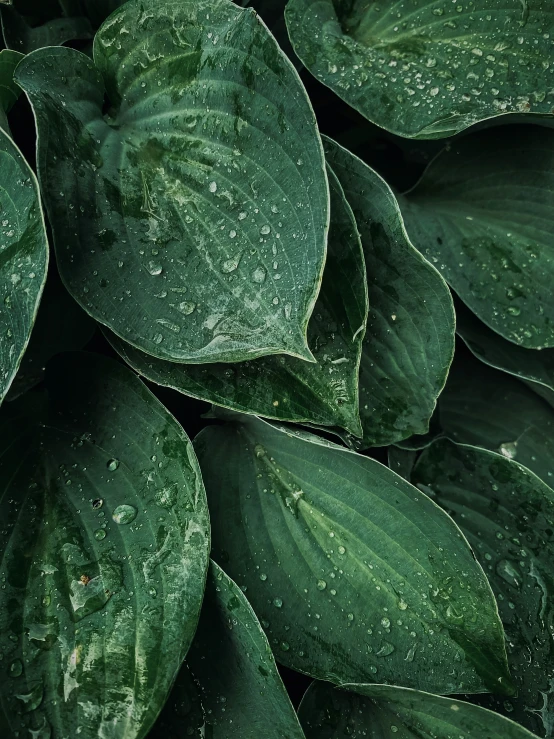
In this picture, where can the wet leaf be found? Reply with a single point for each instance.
(21, 36)
(428, 69)
(104, 553)
(234, 673)
(401, 461)
(170, 213)
(482, 212)
(390, 712)
(409, 340)
(487, 408)
(353, 573)
(532, 366)
(23, 255)
(285, 388)
(507, 515)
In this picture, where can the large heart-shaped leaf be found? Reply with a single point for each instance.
(23, 257)
(192, 218)
(390, 712)
(507, 514)
(353, 573)
(410, 332)
(428, 68)
(482, 212)
(104, 546)
(234, 673)
(535, 367)
(491, 409)
(285, 388)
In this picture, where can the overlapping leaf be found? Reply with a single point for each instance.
(9, 91)
(286, 388)
(390, 712)
(507, 514)
(104, 545)
(353, 573)
(410, 333)
(428, 68)
(192, 218)
(21, 36)
(482, 212)
(231, 673)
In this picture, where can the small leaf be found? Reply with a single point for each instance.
(487, 408)
(507, 515)
(353, 573)
(285, 388)
(409, 340)
(23, 256)
(482, 212)
(104, 552)
(231, 662)
(536, 368)
(432, 68)
(206, 173)
(390, 712)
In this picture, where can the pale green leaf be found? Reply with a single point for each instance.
(192, 218)
(390, 712)
(285, 388)
(104, 551)
(409, 340)
(482, 213)
(429, 68)
(353, 573)
(507, 515)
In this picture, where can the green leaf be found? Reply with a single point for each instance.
(409, 340)
(104, 553)
(430, 68)
(487, 408)
(20, 35)
(231, 662)
(60, 326)
(285, 388)
(507, 515)
(173, 215)
(390, 712)
(534, 367)
(353, 573)
(23, 257)
(401, 461)
(482, 212)
(9, 91)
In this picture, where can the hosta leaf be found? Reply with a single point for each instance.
(174, 214)
(60, 326)
(390, 712)
(231, 662)
(490, 409)
(20, 35)
(483, 213)
(428, 68)
(507, 514)
(353, 573)
(401, 461)
(104, 545)
(535, 367)
(286, 388)
(410, 332)
(23, 257)
(9, 91)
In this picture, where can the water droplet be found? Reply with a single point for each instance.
(154, 268)
(113, 464)
(213, 186)
(124, 514)
(341, 550)
(259, 274)
(265, 230)
(99, 534)
(321, 584)
(385, 622)
(285, 646)
(187, 308)
(31, 700)
(508, 449)
(97, 503)
(386, 649)
(16, 668)
(263, 577)
(230, 265)
(278, 603)
(509, 573)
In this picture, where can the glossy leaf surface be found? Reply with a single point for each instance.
(285, 388)
(234, 673)
(428, 68)
(192, 218)
(346, 564)
(409, 340)
(23, 257)
(507, 515)
(390, 712)
(482, 212)
(104, 553)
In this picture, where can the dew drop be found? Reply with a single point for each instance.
(278, 602)
(213, 186)
(321, 584)
(386, 649)
(259, 274)
(99, 534)
(385, 622)
(187, 308)
(16, 668)
(265, 230)
(154, 268)
(124, 514)
(113, 464)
